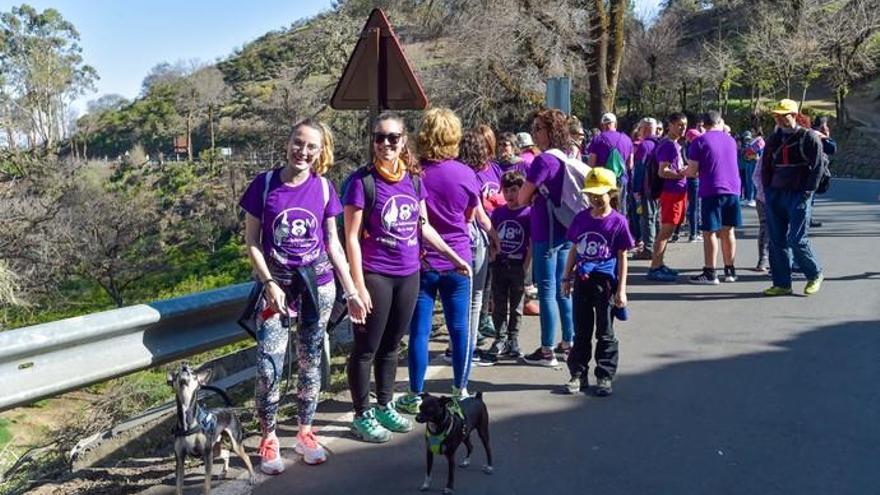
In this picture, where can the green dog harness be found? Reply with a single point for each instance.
(435, 440)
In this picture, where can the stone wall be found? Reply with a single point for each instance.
(858, 154)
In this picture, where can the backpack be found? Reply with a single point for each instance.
(571, 201)
(615, 162)
(823, 178)
(653, 181)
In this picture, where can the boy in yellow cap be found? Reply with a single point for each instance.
(595, 276)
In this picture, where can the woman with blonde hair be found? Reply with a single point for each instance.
(386, 223)
(453, 200)
(290, 233)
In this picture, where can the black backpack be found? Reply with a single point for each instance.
(652, 173)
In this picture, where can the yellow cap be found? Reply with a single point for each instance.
(600, 180)
(785, 107)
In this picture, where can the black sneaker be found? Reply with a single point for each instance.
(708, 277)
(513, 349)
(562, 352)
(730, 273)
(447, 355)
(499, 347)
(541, 358)
(483, 358)
(603, 387)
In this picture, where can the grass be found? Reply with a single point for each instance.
(5, 435)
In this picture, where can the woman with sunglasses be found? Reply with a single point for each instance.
(549, 245)
(290, 233)
(385, 223)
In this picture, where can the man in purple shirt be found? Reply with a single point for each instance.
(713, 157)
(599, 151)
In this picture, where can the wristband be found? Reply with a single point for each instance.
(271, 281)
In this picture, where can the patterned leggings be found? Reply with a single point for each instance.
(271, 349)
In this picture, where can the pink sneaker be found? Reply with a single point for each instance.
(270, 457)
(307, 446)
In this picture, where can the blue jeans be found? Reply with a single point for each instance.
(632, 216)
(548, 266)
(748, 184)
(693, 208)
(455, 295)
(788, 219)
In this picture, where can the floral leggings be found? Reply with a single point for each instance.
(271, 349)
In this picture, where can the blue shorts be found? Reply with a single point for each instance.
(721, 210)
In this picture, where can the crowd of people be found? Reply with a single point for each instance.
(474, 218)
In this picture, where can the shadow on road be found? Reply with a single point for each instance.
(800, 418)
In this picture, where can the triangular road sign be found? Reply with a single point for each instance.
(378, 75)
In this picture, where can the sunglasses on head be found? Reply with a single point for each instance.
(392, 138)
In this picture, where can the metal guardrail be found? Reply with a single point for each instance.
(45, 360)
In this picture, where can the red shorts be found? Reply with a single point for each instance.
(672, 207)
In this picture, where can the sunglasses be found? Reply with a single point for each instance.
(392, 138)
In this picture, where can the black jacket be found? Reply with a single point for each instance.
(793, 162)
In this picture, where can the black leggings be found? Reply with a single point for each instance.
(377, 341)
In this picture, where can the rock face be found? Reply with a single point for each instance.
(857, 154)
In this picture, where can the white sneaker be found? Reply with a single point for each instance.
(270, 457)
(307, 446)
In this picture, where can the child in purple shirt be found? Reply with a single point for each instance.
(595, 274)
(509, 269)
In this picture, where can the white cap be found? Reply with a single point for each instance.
(609, 118)
(524, 139)
(649, 121)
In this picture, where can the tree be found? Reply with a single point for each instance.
(110, 236)
(848, 34)
(43, 69)
(605, 53)
(210, 93)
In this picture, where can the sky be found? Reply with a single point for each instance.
(124, 39)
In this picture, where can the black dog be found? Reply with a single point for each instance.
(448, 423)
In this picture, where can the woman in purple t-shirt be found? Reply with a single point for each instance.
(453, 200)
(384, 249)
(290, 232)
(549, 246)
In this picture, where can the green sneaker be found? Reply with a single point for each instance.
(408, 404)
(389, 418)
(368, 429)
(814, 285)
(777, 291)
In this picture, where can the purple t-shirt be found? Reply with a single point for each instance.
(715, 151)
(643, 149)
(513, 232)
(453, 190)
(519, 165)
(546, 170)
(602, 145)
(598, 240)
(670, 151)
(391, 244)
(292, 221)
(490, 180)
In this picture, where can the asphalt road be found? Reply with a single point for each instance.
(720, 391)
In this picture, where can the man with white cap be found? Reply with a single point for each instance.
(647, 218)
(613, 150)
(791, 168)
